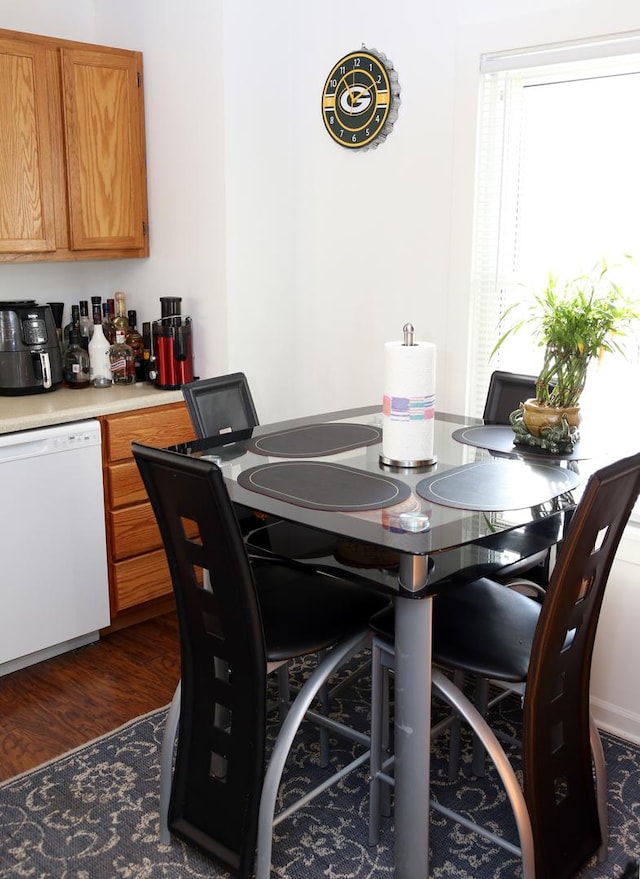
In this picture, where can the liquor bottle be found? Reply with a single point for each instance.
(85, 324)
(99, 362)
(119, 319)
(73, 323)
(136, 341)
(107, 325)
(146, 339)
(95, 301)
(121, 360)
(75, 366)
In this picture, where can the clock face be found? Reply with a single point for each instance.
(360, 100)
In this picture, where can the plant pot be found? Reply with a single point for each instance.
(537, 416)
(554, 430)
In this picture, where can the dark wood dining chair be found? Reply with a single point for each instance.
(242, 619)
(497, 634)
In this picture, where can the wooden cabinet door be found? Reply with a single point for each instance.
(26, 168)
(105, 149)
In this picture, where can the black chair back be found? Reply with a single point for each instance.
(220, 404)
(557, 767)
(507, 390)
(219, 762)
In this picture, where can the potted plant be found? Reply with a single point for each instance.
(575, 321)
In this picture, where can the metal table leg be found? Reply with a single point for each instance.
(412, 723)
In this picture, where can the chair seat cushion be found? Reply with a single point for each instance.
(483, 628)
(304, 611)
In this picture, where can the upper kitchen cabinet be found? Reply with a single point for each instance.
(72, 151)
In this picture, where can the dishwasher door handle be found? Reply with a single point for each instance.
(16, 451)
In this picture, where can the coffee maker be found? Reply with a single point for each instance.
(171, 354)
(30, 355)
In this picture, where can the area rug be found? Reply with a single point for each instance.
(93, 814)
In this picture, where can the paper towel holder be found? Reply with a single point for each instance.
(408, 340)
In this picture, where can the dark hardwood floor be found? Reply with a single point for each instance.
(61, 703)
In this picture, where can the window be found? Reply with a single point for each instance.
(558, 190)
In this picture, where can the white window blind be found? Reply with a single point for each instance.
(557, 190)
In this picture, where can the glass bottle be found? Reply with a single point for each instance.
(95, 301)
(119, 319)
(146, 340)
(107, 325)
(73, 323)
(75, 366)
(136, 341)
(99, 362)
(121, 360)
(85, 324)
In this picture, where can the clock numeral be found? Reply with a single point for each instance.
(353, 139)
(332, 120)
(334, 83)
(357, 62)
(342, 132)
(343, 70)
(366, 131)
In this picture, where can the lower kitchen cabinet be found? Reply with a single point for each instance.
(138, 571)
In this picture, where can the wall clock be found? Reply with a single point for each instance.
(360, 99)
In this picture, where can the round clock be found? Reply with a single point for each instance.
(360, 99)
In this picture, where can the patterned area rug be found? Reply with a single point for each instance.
(93, 814)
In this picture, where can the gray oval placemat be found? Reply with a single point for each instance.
(500, 438)
(502, 484)
(315, 440)
(322, 485)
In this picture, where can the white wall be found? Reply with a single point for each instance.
(336, 249)
(297, 258)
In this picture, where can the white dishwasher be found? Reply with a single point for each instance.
(54, 593)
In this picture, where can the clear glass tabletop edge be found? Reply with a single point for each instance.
(458, 539)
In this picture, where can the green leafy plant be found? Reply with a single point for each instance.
(575, 321)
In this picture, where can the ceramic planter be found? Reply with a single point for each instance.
(555, 430)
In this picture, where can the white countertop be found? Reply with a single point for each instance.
(64, 405)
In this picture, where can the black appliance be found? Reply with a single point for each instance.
(171, 356)
(30, 355)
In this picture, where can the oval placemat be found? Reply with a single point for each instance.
(501, 484)
(315, 440)
(322, 485)
(499, 438)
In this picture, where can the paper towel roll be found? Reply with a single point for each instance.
(408, 405)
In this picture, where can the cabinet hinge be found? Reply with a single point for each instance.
(145, 228)
(139, 79)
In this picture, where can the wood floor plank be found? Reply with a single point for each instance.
(61, 703)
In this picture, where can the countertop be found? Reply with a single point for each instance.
(64, 405)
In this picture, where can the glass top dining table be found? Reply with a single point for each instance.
(468, 515)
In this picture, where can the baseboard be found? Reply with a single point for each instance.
(615, 720)
(47, 653)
